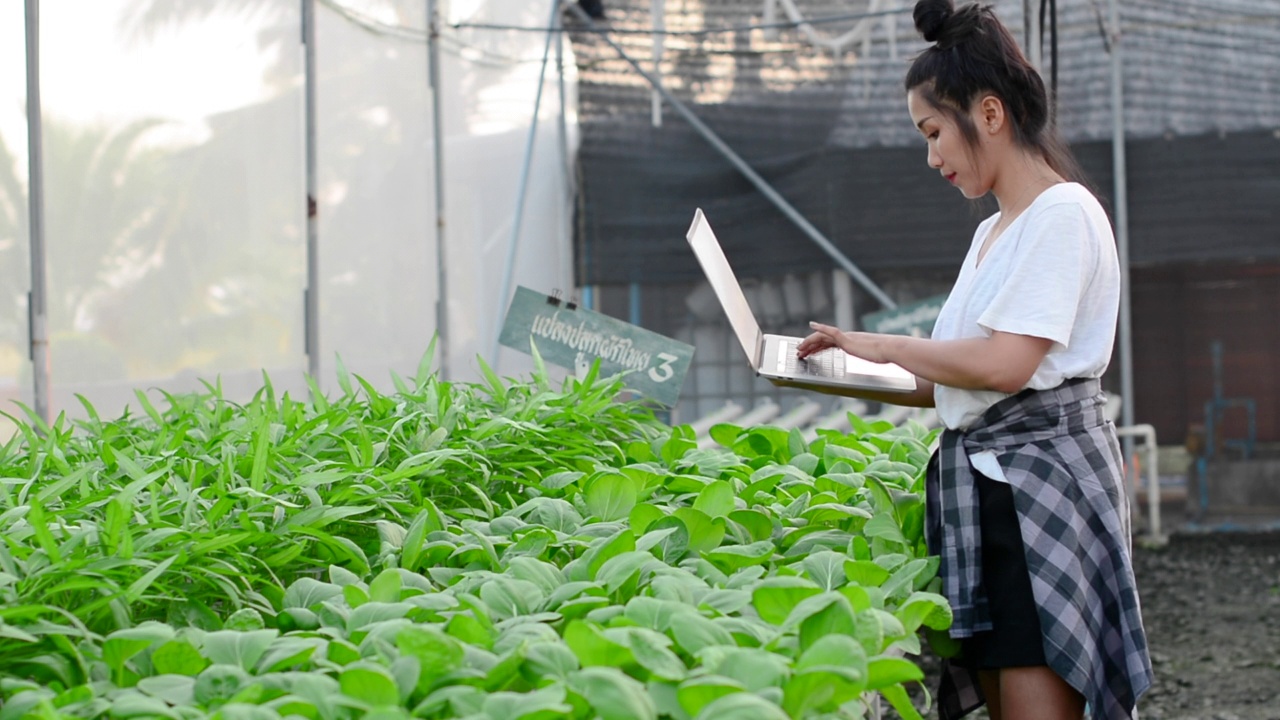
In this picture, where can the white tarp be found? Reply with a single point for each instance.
(176, 198)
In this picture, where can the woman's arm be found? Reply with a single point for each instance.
(1003, 362)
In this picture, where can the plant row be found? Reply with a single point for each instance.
(498, 550)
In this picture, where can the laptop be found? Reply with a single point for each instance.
(774, 356)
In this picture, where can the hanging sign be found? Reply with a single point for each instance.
(574, 337)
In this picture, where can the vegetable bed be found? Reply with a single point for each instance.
(503, 550)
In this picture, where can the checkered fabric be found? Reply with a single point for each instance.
(1063, 463)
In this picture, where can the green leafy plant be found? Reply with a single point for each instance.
(499, 550)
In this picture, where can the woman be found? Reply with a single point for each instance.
(1026, 506)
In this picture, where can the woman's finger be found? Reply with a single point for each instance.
(813, 344)
(829, 330)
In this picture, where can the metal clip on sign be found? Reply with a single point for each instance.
(554, 299)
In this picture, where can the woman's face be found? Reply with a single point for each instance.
(949, 154)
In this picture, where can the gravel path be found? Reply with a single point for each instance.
(1211, 607)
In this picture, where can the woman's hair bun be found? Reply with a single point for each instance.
(931, 18)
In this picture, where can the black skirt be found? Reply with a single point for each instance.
(1015, 639)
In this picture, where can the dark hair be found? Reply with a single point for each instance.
(973, 53)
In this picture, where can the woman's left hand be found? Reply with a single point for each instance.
(868, 346)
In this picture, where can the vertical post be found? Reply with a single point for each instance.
(1122, 220)
(658, 9)
(635, 308)
(312, 293)
(37, 305)
(437, 151)
(562, 133)
(509, 266)
(842, 298)
(1031, 18)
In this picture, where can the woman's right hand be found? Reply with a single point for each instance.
(817, 342)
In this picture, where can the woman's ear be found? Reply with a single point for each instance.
(991, 115)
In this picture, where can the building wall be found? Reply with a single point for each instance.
(1179, 311)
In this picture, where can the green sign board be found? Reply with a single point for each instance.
(916, 318)
(575, 337)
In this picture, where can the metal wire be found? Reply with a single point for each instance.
(727, 29)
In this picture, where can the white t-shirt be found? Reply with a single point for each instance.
(1053, 274)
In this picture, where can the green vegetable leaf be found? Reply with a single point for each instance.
(620, 569)
(178, 657)
(695, 694)
(923, 608)
(865, 572)
(593, 648)
(173, 689)
(551, 659)
(716, 499)
(308, 593)
(122, 645)
(370, 684)
(731, 558)
(826, 568)
(611, 496)
(837, 654)
(613, 695)
(651, 650)
(741, 706)
(704, 532)
(693, 633)
(885, 671)
(775, 598)
(754, 668)
(242, 649)
(836, 618)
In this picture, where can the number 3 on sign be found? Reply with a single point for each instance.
(663, 372)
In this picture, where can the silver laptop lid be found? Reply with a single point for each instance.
(725, 284)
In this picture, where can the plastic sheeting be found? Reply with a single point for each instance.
(176, 201)
(15, 273)
(377, 210)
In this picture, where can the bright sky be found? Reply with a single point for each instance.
(90, 73)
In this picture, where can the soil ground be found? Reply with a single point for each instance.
(1211, 608)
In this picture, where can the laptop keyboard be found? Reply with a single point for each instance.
(828, 363)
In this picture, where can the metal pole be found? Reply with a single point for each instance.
(658, 11)
(437, 140)
(570, 182)
(508, 267)
(563, 129)
(1035, 49)
(760, 183)
(1122, 221)
(311, 299)
(37, 305)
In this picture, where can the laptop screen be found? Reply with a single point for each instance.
(725, 284)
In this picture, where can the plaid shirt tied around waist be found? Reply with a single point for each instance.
(1062, 461)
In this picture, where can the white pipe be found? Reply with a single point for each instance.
(703, 425)
(799, 416)
(760, 414)
(1148, 435)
